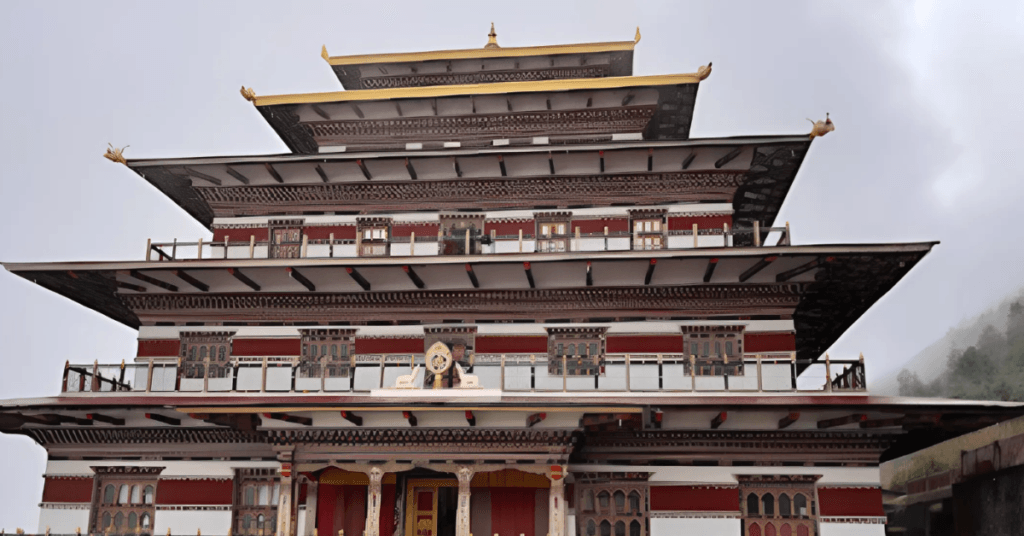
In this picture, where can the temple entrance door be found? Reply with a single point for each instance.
(431, 507)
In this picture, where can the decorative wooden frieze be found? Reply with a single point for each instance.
(447, 79)
(96, 435)
(522, 124)
(439, 439)
(480, 193)
(580, 303)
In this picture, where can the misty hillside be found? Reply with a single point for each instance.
(981, 358)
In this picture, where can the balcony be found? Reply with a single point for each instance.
(476, 242)
(511, 373)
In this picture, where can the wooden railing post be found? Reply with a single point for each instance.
(789, 235)
(629, 386)
(149, 248)
(64, 380)
(757, 234)
(503, 371)
(606, 238)
(263, 385)
(252, 246)
(330, 244)
(760, 377)
(565, 362)
(95, 375)
(828, 373)
(695, 235)
(225, 247)
(412, 244)
(468, 251)
(199, 249)
(520, 241)
(305, 246)
(792, 368)
(174, 250)
(149, 376)
(578, 241)
(725, 234)
(693, 373)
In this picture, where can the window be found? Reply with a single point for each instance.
(716, 350)
(581, 349)
(621, 508)
(374, 234)
(753, 504)
(648, 229)
(553, 231)
(254, 506)
(285, 239)
(201, 350)
(777, 504)
(326, 353)
(125, 506)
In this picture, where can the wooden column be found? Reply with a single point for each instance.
(373, 498)
(556, 504)
(465, 476)
(311, 494)
(284, 502)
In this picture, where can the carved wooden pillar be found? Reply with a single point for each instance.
(465, 476)
(556, 503)
(373, 498)
(311, 493)
(284, 502)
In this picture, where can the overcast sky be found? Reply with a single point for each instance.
(925, 98)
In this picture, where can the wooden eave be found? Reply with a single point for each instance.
(823, 302)
(767, 162)
(482, 53)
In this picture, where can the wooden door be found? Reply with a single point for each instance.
(421, 518)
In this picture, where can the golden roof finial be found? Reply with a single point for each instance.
(636, 39)
(116, 155)
(704, 71)
(248, 94)
(492, 39)
(323, 53)
(820, 128)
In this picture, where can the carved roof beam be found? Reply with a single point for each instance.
(200, 175)
(840, 421)
(472, 276)
(412, 170)
(303, 280)
(884, 423)
(352, 418)
(152, 281)
(287, 417)
(709, 271)
(650, 271)
(184, 276)
(455, 165)
(689, 160)
(790, 274)
(105, 418)
(728, 157)
(320, 171)
(757, 267)
(470, 418)
(413, 276)
(408, 416)
(535, 418)
(501, 165)
(131, 286)
(529, 274)
(237, 175)
(163, 418)
(590, 275)
(358, 111)
(358, 278)
(788, 420)
(320, 111)
(243, 278)
(273, 172)
(362, 167)
(657, 416)
(719, 420)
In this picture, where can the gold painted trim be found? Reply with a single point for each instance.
(410, 506)
(481, 53)
(611, 82)
(275, 409)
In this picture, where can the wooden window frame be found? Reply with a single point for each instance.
(195, 352)
(255, 479)
(130, 478)
(713, 342)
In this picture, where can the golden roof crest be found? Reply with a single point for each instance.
(704, 71)
(248, 94)
(492, 39)
(116, 155)
(820, 128)
(636, 39)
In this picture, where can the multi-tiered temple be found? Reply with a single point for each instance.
(490, 291)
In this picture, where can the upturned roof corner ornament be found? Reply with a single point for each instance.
(116, 155)
(492, 39)
(636, 38)
(248, 94)
(704, 71)
(821, 128)
(324, 54)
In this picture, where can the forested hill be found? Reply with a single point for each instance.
(982, 359)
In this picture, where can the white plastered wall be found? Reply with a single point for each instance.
(192, 521)
(851, 529)
(701, 526)
(831, 476)
(64, 520)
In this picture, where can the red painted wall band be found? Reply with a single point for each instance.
(850, 502)
(694, 499)
(597, 226)
(665, 344)
(261, 347)
(421, 229)
(769, 342)
(240, 235)
(512, 345)
(390, 346)
(341, 232)
(510, 228)
(67, 490)
(685, 223)
(160, 348)
(179, 492)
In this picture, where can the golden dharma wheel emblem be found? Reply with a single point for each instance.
(439, 360)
